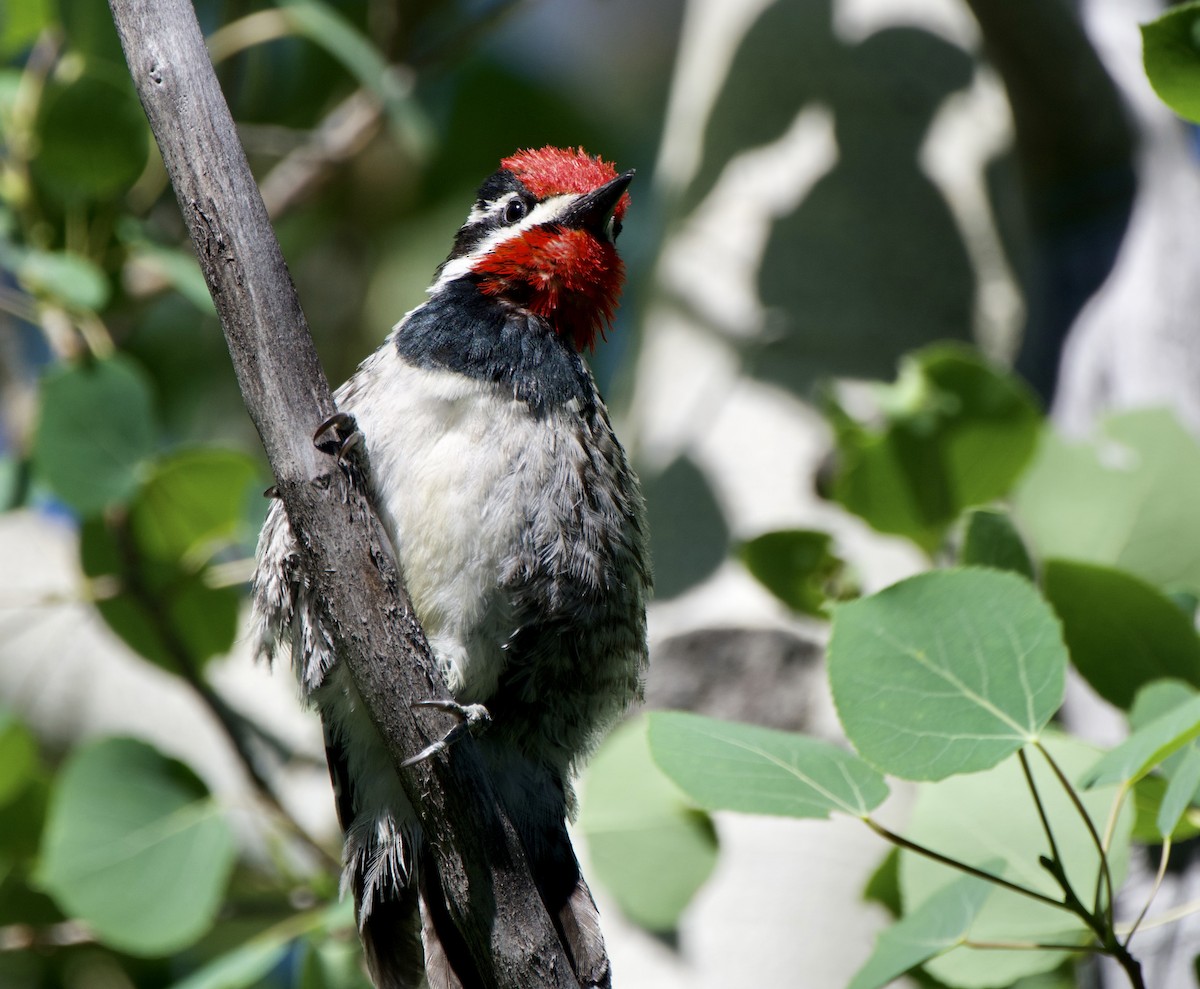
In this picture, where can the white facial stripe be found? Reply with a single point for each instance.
(544, 212)
(478, 214)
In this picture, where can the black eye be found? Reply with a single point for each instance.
(514, 211)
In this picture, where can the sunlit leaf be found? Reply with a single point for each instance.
(1123, 500)
(797, 566)
(243, 967)
(947, 672)
(728, 766)
(176, 267)
(1171, 54)
(936, 926)
(956, 433)
(981, 817)
(190, 498)
(69, 279)
(1180, 789)
(650, 847)
(135, 847)
(1147, 746)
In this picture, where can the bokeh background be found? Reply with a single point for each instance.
(824, 187)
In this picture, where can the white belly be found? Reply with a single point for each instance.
(452, 465)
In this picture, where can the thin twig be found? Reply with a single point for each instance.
(231, 723)
(341, 134)
(1163, 858)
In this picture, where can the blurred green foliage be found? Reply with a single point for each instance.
(369, 123)
(1171, 52)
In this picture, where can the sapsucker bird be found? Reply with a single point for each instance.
(519, 528)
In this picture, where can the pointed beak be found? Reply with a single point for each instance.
(595, 210)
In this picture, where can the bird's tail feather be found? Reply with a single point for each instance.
(392, 941)
(448, 963)
(569, 902)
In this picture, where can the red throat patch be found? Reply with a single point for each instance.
(568, 277)
(556, 171)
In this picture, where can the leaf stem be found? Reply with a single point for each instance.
(1104, 880)
(1037, 801)
(1032, 946)
(970, 870)
(1169, 916)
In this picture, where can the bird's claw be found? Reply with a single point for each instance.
(472, 718)
(339, 435)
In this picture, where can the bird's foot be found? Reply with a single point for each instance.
(472, 718)
(339, 436)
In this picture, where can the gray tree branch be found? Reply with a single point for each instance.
(486, 880)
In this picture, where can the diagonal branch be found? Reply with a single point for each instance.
(487, 884)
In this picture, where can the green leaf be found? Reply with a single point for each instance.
(936, 926)
(191, 499)
(1123, 500)
(649, 846)
(178, 268)
(991, 540)
(20, 24)
(1181, 791)
(1122, 633)
(798, 566)
(96, 426)
(163, 611)
(1147, 746)
(1158, 698)
(93, 139)
(18, 757)
(333, 964)
(135, 847)
(90, 31)
(246, 966)
(884, 885)
(22, 816)
(243, 967)
(957, 433)
(1171, 54)
(1148, 794)
(69, 279)
(727, 766)
(947, 672)
(1163, 800)
(982, 817)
